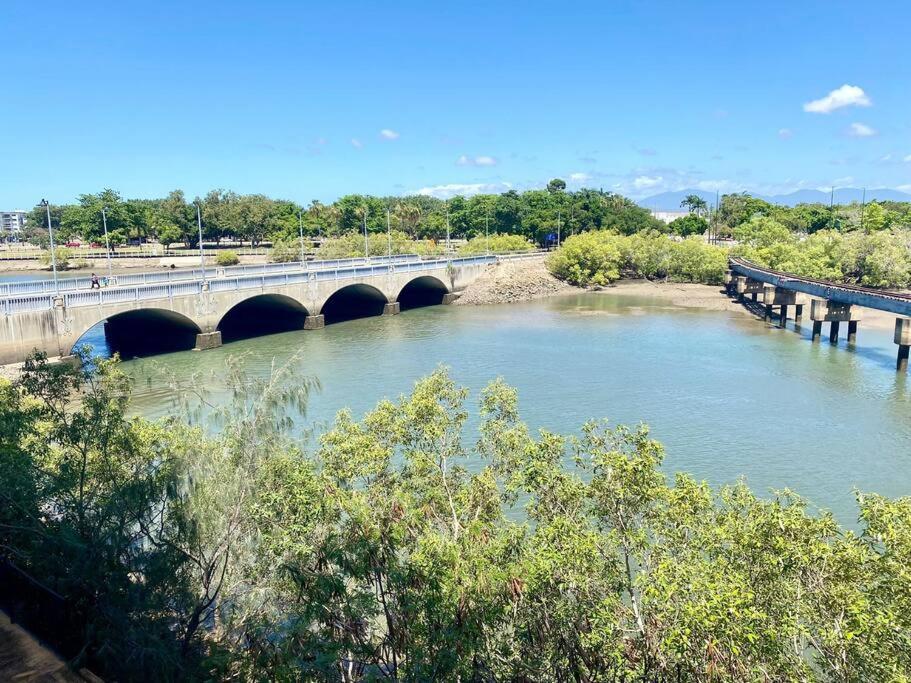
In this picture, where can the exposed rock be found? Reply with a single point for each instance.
(513, 280)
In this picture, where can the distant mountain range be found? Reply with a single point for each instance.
(670, 201)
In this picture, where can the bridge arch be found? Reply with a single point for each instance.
(354, 301)
(141, 332)
(425, 290)
(260, 315)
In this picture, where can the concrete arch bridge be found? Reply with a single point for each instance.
(201, 314)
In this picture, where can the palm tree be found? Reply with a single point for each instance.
(408, 215)
(695, 204)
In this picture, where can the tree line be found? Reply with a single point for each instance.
(389, 548)
(534, 214)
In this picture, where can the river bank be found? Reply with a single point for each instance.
(512, 281)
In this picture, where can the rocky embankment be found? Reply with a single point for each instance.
(513, 280)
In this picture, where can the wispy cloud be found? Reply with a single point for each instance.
(482, 160)
(645, 182)
(860, 130)
(785, 133)
(389, 134)
(907, 158)
(465, 189)
(579, 177)
(845, 96)
(357, 144)
(646, 151)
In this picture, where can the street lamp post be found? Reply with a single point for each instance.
(300, 223)
(366, 245)
(202, 259)
(558, 228)
(448, 248)
(389, 233)
(487, 232)
(50, 232)
(107, 241)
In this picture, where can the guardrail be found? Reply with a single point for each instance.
(129, 279)
(168, 290)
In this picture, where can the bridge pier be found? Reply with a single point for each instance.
(744, 285)
(448, 298)
(314, 322)
(903, 339)
(783, 318)
(392, 308)
(834, 313)
(798, 313)
(207, 340)
(817, 330)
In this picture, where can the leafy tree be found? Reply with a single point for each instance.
(691, 224)
(556, 185)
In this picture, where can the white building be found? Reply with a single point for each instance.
(669, 216)
(12, 223)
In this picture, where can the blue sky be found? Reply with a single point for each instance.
(291, 99)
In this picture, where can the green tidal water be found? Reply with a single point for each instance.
(728, 395)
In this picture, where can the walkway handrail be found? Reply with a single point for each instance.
(893, 302)
(150, 277)
(167, 290)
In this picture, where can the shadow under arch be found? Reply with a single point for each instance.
(142, 332)
(353, 301)
(260, 315)
(425, 290)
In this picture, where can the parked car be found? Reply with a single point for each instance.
(97, 245)
(74, 243)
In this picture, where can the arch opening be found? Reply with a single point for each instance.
(141, 332)
(422, 291)
(261, 315)
(353, 301)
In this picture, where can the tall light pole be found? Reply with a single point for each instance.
(487, 232)
(300, 223)
(107, 241)
(388, 232)
(50, 232)
(202, 259)
(366, 244)
(558, 228)
(447, 230)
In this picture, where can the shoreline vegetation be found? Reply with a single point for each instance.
(384, 551)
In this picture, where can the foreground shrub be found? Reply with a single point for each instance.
(393, 551)
(62, 255)
(227, 258)
(285, 251)
(589, 258)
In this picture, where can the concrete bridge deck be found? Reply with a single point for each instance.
(830, 302)
(197, 312)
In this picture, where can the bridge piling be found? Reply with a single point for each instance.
(852, 331)
(392, 309)
(903, 339)
(817, 330)
(798, 313)
(783, 318)
(207, 340)
(314, 322)
(833, 331)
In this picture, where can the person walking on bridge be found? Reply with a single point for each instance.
(95, 283)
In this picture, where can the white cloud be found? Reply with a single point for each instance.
(465, 189)
(785, 133)
(482, 160)
(845, 96)
(907, 158)
(389, 134)
(579, 177)
(645, 182)
(357, 144)
(860, 130)
(904, 188)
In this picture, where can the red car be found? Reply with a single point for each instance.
(74, 243)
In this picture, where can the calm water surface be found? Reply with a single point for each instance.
(729, 395)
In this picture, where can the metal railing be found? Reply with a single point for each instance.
(129, 279)
(168, 290)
